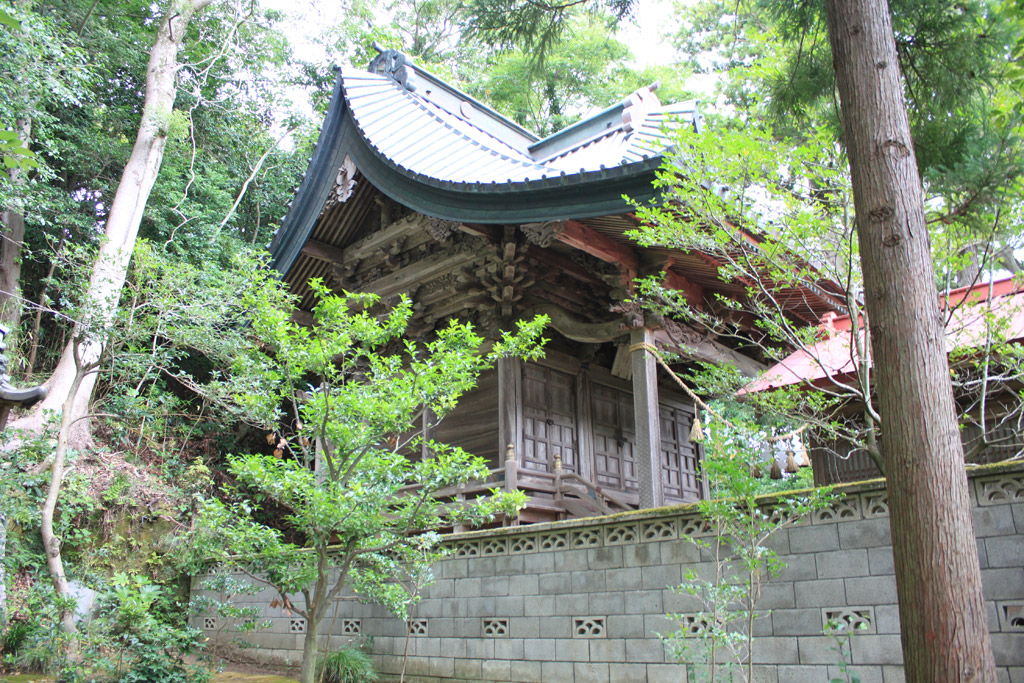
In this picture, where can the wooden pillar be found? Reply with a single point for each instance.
(319, 466)
(584, 428)
(647, 420)
(427, 427)
(510, 405)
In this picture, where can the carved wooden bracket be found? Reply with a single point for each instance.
(543, 234)
(441, 230)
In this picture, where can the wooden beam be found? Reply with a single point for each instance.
(647, 419)
(323, 251)
(493, 233)
(419, 272)
(560, 265)
(710, 351)
(587, 239)
(573, 328)
(385, 237)
(693, 292)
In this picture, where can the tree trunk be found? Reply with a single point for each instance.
(51, 543)
(942, 612)
(122, 228)
(12, 222)
(310, 649)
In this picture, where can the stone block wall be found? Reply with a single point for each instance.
(584, 601)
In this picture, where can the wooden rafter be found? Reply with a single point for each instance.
(586, 239)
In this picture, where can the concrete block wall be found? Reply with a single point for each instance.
(584, 600)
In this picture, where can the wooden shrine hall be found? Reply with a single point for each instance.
(417, 188)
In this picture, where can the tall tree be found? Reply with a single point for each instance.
(938, 580)
(773, 62)
(44, 70)
(123, 221)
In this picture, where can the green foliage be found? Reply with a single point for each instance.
(585, 70)
(738, 559)
(536, 27)
(79, 80)
(134, 640)
(842, 644)
(777, 219)
(348, 665)
(34, 644)
(774, 63)
(219, 595)
(346, 395)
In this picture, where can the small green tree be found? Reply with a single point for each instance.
(715, 642)
(358, 509)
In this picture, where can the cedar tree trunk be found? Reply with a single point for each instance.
(942, 612)
(122, 228)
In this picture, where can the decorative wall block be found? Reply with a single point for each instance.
(695, 526)
(1011, 616)
(586, 538)
(588, 627)
(620, 534)
(467, 549)
(693, 624)
(209, 623)
(847, 510)
(297, 626)
(875, 504)
(778, 515)
(351, 627)
(657, 530)
(843, 619)
(523, 544)
(417, 628)
(494, 546)
(495, 628)
(555, 541)
(1003, 489)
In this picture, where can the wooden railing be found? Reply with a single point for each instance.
(549, 495)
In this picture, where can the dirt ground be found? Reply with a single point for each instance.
(233, 673)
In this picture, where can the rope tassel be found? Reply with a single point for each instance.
(697, 429)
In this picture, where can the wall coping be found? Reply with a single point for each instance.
(685, 509)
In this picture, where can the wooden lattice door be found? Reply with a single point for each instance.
(614, 459)
(679, 457)
(549, 418)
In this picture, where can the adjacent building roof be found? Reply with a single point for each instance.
(439, 151)
(973, 315)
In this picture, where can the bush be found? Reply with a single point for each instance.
(135, 639)
(348, 665)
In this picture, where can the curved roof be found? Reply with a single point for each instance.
(438, 151)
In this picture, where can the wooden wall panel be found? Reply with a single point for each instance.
(473, 425)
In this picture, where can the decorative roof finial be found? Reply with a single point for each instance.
(394, 64)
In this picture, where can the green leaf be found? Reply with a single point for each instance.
(9, 21)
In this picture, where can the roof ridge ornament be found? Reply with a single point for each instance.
(394, 64)
(638, 105)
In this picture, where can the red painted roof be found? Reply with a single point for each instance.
(833, 360)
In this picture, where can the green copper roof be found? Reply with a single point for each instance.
(440, 152)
